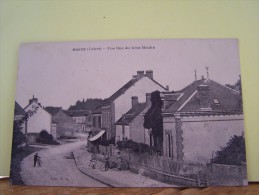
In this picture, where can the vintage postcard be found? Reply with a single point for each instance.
(129, 113)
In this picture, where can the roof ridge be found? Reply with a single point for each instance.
(226, 87)
(133, 80)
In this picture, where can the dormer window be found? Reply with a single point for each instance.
(216, 101)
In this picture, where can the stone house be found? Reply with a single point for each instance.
(65, 125)
(81, 113)
(62, 124)
(200, 119)
(119, 103)
(130, 125)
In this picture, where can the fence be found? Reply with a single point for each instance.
(157, 167)
(182, 173)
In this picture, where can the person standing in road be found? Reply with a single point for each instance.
(36, 158)
(119, 160)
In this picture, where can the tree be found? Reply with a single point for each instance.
(153, 119)
(233, 153)
(18, 137)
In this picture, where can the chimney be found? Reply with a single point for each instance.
(149, 74)
(134, 76)
(204, 97)
(33, 100)
(148, 99)
(207, 71)
(134, 100)
(140, 74)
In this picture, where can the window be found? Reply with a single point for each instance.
(216, 101)
(99, 121)
(150, 140)
(170, 146)
(94, 121)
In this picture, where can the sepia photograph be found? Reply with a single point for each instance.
(129, 113)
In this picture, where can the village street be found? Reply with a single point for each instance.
(58, 168)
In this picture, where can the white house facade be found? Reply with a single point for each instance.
(38, 121)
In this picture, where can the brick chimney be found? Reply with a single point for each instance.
(134, 101)
(149, 74)
(140, 74)
(148, 99)
(204, 97)
(33, 100)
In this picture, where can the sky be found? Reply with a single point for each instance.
(60, 73)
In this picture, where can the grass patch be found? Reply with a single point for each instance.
(17, 157)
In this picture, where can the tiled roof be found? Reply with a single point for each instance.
(229, 99)
(187, 92)
(97, 110)
(89, 104)
(128, 85)
(173, 97)
(132, 113)
(52, 110)
(122, 89)
(61, 116)
(76, 113)
(18, 110)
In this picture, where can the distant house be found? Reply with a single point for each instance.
(62, 125)
(39, 119)
(199, 119)
(130, 125)
(82, 113)
(19, 114)
(119, 103)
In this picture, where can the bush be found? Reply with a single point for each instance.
(18, 137)
(138, 147)
(233, 153)
(46, 138)
(105, 142)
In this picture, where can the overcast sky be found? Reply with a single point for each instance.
(59, 76)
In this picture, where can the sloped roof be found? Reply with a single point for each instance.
(132, 113)
(76, 113)
(97, 110)
(187, 92)
(88, 104)
(61, 116)
(128, 85)
(122, 89)
(228, 98)
(52, 110)
(18, 110)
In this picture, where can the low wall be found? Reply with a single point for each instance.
(162, 176)
(227, 174)
(155, 167)
(181, 173)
